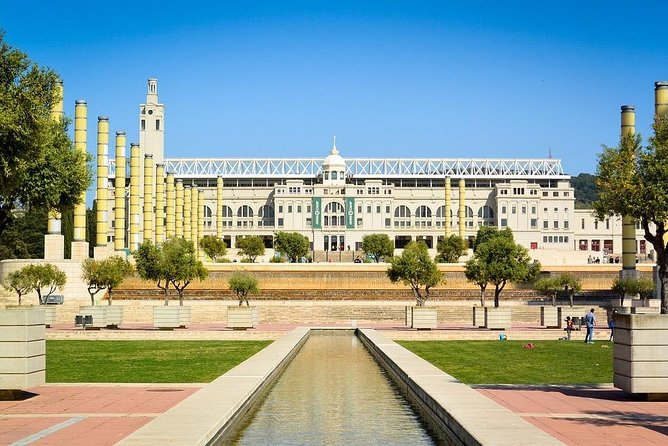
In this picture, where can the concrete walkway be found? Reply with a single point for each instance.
(103, 414)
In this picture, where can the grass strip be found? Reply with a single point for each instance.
(508, 362)
(144, 361)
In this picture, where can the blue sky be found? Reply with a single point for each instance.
(508, 79)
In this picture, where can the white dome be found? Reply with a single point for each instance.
(334, 161)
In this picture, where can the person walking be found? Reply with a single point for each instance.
(590, 321)
(611, 325)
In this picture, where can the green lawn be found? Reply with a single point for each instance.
(144, 361)
(506, 362)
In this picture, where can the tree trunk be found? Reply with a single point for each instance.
(570, 297)
(497, 293)
(482, 297)
(554, 299)
(166, 294)
(110, 296)
(663, 279)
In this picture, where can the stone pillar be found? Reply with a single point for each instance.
(170, 207)
(135, 212)
(54, 241)
(119, 196)
(448, 207)
(148, 198)
(159, 203)
(178, 209)
(187, 208)
(22, 350)
(462, 208)
(200, 220)
(219, 207)
(194, 215)
(661, 99)
(628, 127)
(79, 244)
(101, 195)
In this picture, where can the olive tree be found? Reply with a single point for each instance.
(19, 282)
(450, 249)
(243, 284)
(631, 180)
(476, 273)
(151, 266)
(214, 247)
(632, 286)
(44, 279)
(104, 274)
(292, 244)
(377, 246)
(415, 268)
(551, 285)
(250, 247)
(181, 265)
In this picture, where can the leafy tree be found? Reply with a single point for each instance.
(24, 236)
(632, 182)
(570, 284)
(451, 249)
(476, 273)
(487, 232)
(586, 192)
(44, 276)
(292, 244)
(548, 285)
(632, 286)
(551, 285)
(243, 283)
(180, 262)
(92, 275)
(377, 246)
(39, 165)
(115, 270)
(251, 247)
(416, 269)
(502, 260)
(213, 246)
(19, 282)
(151, 266)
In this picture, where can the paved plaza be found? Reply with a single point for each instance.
(102, 414)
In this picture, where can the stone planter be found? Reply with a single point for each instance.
(497, 318)
(23, 348)
(424, 318)
(550, 317)
(167, 317)
(408, 318)
(617, 303)
(99, 313)
(241, 318)
(478, 316)
(185, 316)
(49, 311)
(641, 354)
(113, 316)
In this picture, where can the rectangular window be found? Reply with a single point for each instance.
(566, 224)
(280, 209)
(595, 224)
(545, 194)
(545, 224)
(545, 239)
(157, 124)
(595, 245)
(359, 222)
(555, 194)
(359, 209)
(308, 209)
(643, 247)
(555, 224)
(388, 223)
(504, 222)
(583, 245)
(377, 209)
(387, 209)
(368, 209)
(533, 210)
(534, 223)
(607, 246)
(565, 239)
(280, 222)
(561, 239)
(299, 209)
(566, 194)
(514, 210)
(607, 223)
(583, 223)
(524, 209)
(308, 222)
(143, 124)
(289, 209)
(549, 239)
(503, 209)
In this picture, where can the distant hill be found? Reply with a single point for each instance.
(585, 190)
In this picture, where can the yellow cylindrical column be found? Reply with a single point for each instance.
(148, 197)
(194, 214)
(159, 203)
(462, 208)
(219, 207)
(119, 194)
(661, 99)
(178, 209)
(135, 212)
(57, 114)
(80, 121)
(187, 208)
(170, 207)
(102, 214)
(200, 220)
(448, 208)
(628, 127)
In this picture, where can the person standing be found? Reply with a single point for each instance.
(569, 327)
(590, 321)
(611, 325)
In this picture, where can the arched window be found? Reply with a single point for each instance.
(227, 217)
(485, 216)
(440, 217)
(468, 217)
(245, 217)
(334, 175)
(402, 217)
(208, 216)
(334, 214)
(423, 216)
(266, 215)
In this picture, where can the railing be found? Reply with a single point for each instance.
(364, 168)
